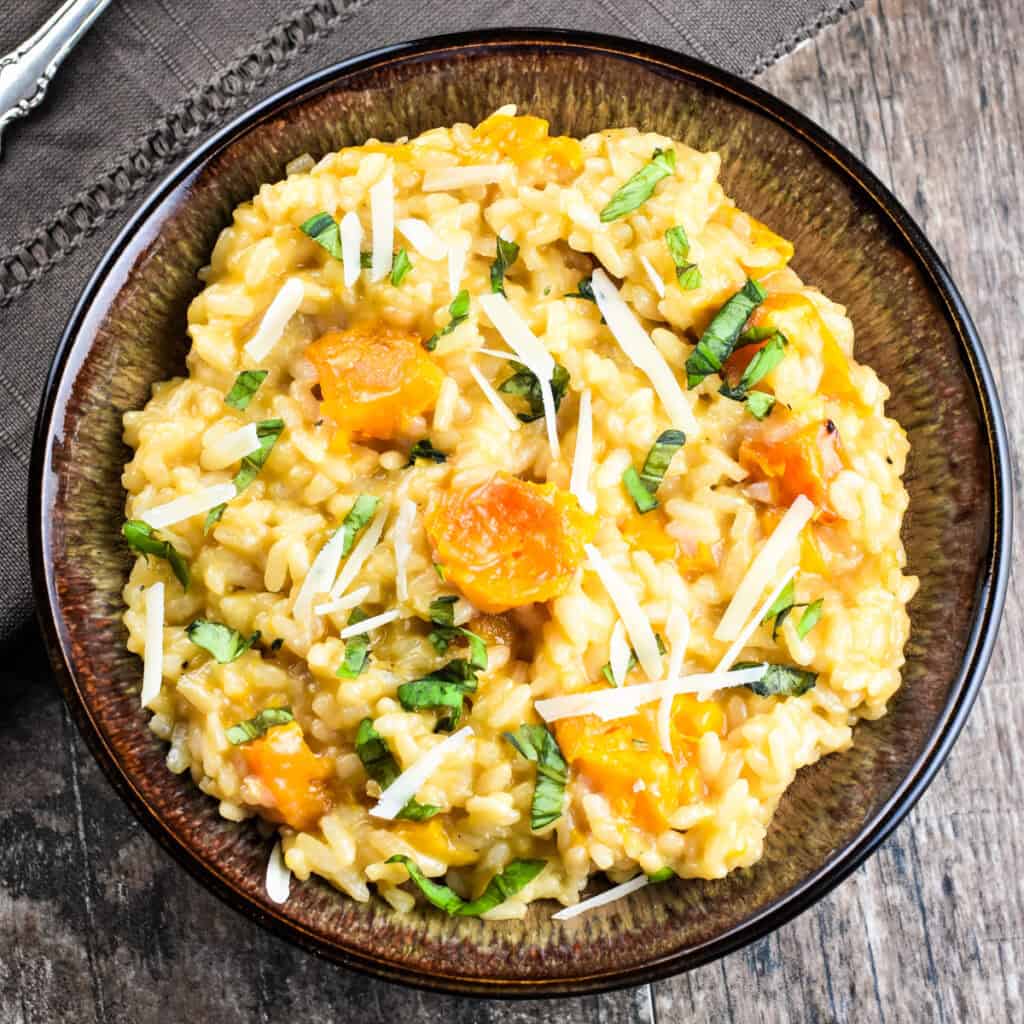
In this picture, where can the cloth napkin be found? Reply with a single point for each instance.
(154, 78)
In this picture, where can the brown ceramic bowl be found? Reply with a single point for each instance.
(852, 238)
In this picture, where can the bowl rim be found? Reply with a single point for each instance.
(990, 594)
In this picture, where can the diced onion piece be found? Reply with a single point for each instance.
(457, 254)
(350, 600)
(678, 630)
(655, 277)
(508, 417)
(282, 308)
(279, 878)
(745, 634)
(232, 446)
(360, 553)
(583, 456)
(370, 624)
(442, 179)
(618, 654)
(188, 505)
(642, 352)
(422, 237)
(351, 231)
(407, 785)
(624, 701)
(153, 645)
(529, 351)
(641, 636)
(764, 568)
(382, 220)
(403, 545)
(616, 892)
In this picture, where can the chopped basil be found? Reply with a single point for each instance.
(146, 541)
(446, 687)
(584, 290)
(213, 517)
(268, 431)
(687, 274)
(642, 498)
(642, 486)
(423, 449)
(247, 383)
(752, 335)
(719, 339)
(765, 360)
(780, 680)
(524, 384)
(256, 727)
(537, 744)
(401, 266)
(442, 637)
(606, 668)
(380, 765)
(515, 877)
(760, 404)
(810, 618)
(366, 260)
(507, 254)
(223, 642)
(277, 644)
(357, 649)
(439, 569)
(323, 229)
(781, 607)
(459, 311)
(361, 512)
(640, 187)
(661, 875)
(442, 610)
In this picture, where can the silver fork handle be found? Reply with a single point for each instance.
(26, 71)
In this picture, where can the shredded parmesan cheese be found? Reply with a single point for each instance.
(678, 630)
(638, 628)
(400, 538)
(382, 219)
(320, 576)
(153, 645)
(360, 553)
(350, 600)
(407, 785)
(231, 447)
(351, 231)
(655, 277)
(370, 624)
(282, 308)
(187, 506)
(279, 878)
(745, 634)
(507, 416)
(457, 253)
(642, 352)
(764, 568)
(421, 236)
(618, 654)
(444, 179)
(616, 892)
(583, 456)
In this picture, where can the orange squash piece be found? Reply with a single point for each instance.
(507, 542)
(295, 776)
(647, 532)
(523, 139)
(433, 838)
(374, 379)
(803, 461)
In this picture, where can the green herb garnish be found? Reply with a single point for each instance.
(365, 260)
(507, 254)
(380, 765)
(223, 642)
(537, 744)
(780, 609)
(425, 450)
(687, 274)
(584, 290)
(445, 632)
(780, 680)
(760, 404)
(459, 311)
(143, 538)
(765, 360)
(213, 517)
(268, 431)
(641, 186)
(446, 687)
(642, 498)
(247, 383)
(515, 877)
(256, 727)
(361, 512)
(661, 875)
(810, 618)
(524, 384)
(400, 267)
(357, 649)
(718, 342)
(323, 229)
(643, 486)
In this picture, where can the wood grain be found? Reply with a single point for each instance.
(97, 925)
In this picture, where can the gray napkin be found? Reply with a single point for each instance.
(153, 78)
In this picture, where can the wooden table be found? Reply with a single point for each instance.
(98, 925)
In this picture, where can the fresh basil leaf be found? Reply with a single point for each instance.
(459, 312)
(256, 727)
(268, 431)
(357, 649)
(444, 688)
(719, 340)
(400, 267)
(380, 765)
(361, 512)
(365, 260)
(146, 541)
(689, 277)
(524, 384)
(442, 610)
(507, 254)
(660, 457)
(752, 335)
(641, 186)
(642, 497)
(443, 637)
(661, 875)
(223, 642)
(439, 569)
(584, 290)
(781, 607)
(810, 618)
(760, 404)
(687, 274)
(423, 449)
(780, 680)
(277, 644)
(515, 877)
(213, 517)
(537, 744)
(323, 229)
(247, 383)
(765, 360)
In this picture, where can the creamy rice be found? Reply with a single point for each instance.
(704, 808)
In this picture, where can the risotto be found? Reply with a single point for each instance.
(522, 515)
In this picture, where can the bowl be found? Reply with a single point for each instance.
(852, 239)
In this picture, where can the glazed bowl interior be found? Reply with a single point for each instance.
(851, 241)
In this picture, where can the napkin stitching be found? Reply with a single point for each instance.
(203, 108)
(805, 31)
